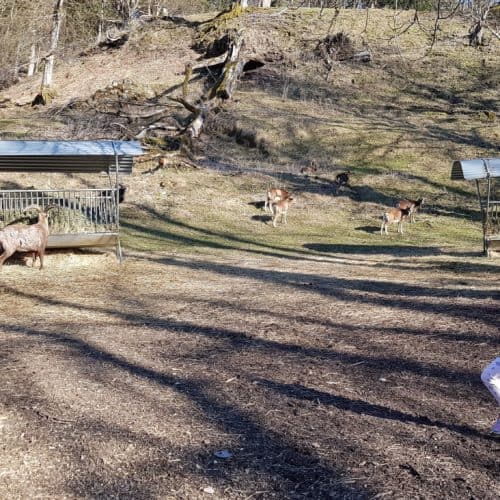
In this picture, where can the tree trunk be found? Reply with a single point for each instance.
(32, 63)
(100, 29)
(232, 70)
(266, 3)
(54, 40)
(16, 65)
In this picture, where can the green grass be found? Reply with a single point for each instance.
(225, 218)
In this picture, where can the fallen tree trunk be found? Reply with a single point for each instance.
(232, 70)
(221, 91)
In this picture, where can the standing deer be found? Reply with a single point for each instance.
(273, 196)
(413, 205)
(394, 216)
(280, 208)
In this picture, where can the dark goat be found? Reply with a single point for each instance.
(343, 179)
(121, 193)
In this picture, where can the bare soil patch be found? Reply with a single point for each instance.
(334, 374)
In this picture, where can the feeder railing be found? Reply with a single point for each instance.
(79, 210)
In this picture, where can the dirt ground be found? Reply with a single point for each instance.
(325, 374)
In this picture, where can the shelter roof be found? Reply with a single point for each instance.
(68, 156)
(479, 168)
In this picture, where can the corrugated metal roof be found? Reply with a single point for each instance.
(68, 156)
(479, 168)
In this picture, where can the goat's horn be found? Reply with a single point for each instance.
(50, 207)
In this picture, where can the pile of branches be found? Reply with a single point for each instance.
(172, 120)
(339, 47)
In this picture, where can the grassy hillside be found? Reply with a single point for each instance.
(397, 123)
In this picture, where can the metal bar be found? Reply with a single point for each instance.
(119, 253)
(483, 216)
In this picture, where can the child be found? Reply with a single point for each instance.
(491, 379)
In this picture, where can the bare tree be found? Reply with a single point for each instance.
(479, 12)
(54, 40)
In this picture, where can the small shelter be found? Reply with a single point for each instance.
(86, 217)
(486, 173)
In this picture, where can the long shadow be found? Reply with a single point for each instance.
(228, 239)
(391, 250)
(394, 295)
(343, 288)
(242, 340)
(265, 445)
(298, 391)
(355, 329)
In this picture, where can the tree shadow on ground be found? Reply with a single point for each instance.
(298, 391)
(294, 469)
(308, 252)
(402, 295)
(378, 113)
(455, 336)
(392, 250)
(240, 339)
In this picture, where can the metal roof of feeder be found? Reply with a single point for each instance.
(479, 168)
(68, 156)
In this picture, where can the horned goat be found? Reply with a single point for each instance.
(273, 196)
(26, 238)
(394, 216)
(413, 205)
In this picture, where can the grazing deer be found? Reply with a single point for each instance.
(280, 208)
(312, 168)
(273, 196)
(394, 216)
(413, 205)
